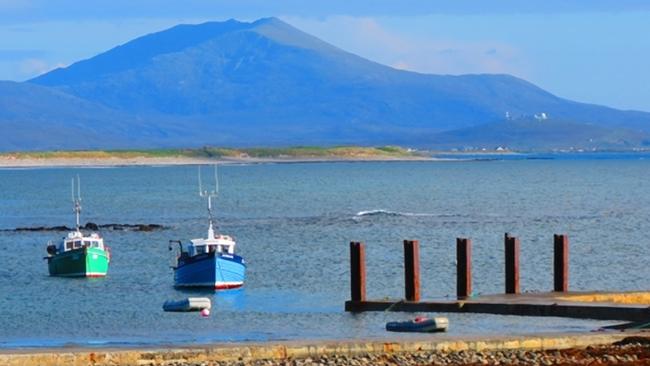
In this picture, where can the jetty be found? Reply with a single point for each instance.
(560, 302)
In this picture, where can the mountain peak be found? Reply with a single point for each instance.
(284, 33)
(270, 21)
(140, 51)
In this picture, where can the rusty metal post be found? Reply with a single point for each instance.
(357, 271)
(561, 263)
(412, 270)
(512, 264)
(463, 267)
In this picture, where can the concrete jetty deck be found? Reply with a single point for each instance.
(584, 305)
(246, 352)
(629, 306)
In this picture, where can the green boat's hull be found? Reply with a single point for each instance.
(82, 262)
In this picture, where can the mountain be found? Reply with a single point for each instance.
(33, 115)
(36, 117)
(267, 83)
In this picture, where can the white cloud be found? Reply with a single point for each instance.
(33, 67)
(401, 65)
(421, 52)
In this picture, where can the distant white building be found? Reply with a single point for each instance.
(541, 116)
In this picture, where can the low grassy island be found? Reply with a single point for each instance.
(208, 155)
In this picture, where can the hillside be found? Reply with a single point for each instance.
(266, 83)
(531, 134)
(33, 115)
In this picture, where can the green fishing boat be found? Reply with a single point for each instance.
(78, 254)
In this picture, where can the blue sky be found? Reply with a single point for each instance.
(589, 51)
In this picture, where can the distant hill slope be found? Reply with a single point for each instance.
(33, 115)
(267, 83)
(37, 117)
(533, 134)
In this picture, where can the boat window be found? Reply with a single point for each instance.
(77, 244)
(95, 244)
(68, 245)
(86, 243)
(200, 249)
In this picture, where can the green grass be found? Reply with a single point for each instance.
(207, 152)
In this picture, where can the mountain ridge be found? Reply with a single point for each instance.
(267, 83)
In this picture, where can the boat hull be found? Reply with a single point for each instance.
(189, 304)
(220, 272)
(438, 324)
(82, 262)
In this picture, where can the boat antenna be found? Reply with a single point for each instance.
(209, 194)
(76, 200)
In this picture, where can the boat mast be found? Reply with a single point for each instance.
(77, 200)
(209, 194)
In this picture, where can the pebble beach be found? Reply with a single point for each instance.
(633, 353)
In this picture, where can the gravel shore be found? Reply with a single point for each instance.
(634, 353)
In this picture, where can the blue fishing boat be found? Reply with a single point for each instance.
(209, 262)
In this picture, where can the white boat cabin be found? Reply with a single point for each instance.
(214, 243)
(76, 240)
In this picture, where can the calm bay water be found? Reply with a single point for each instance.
(293, 223)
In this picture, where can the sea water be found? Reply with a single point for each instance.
(293, 224)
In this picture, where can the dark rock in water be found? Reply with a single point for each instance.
(41, 228)
(118, 227)
(59, 228)
(91, 226)
(150, 227)
(134, 227)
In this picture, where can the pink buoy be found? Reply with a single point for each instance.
(205, 312)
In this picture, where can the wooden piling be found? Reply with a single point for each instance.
(512, 264)
(463, 268)
(561, 263)
(357, 271)
(412, 270)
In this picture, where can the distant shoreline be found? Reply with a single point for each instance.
(103, 158)
(148, 161)
(208, 155)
